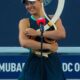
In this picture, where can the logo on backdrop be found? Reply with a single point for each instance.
(47, 2)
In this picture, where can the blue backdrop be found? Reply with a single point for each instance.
(12, 66)
(13, 10)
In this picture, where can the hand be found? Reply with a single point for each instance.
(54, 47)
(31, 32)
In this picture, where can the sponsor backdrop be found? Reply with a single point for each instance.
(11, 66)
(12, 11)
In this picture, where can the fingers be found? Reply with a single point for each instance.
(28, 31)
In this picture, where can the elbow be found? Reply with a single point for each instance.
(63, 35)
(23, 44)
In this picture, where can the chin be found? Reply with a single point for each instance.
(33, 13)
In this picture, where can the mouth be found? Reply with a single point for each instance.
(32, 10)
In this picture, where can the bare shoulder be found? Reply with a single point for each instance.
(58, 22)
(24, 23)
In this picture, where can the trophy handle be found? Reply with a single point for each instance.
(56, 16)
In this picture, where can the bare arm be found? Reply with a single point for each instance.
(25, 41)
(56, 34)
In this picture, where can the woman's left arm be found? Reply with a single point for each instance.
(56, 34)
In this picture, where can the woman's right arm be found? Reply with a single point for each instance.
(25, 41)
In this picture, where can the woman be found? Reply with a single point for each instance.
(50, 68)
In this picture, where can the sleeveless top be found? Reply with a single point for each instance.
(34, 25)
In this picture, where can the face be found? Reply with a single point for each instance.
(33, 7)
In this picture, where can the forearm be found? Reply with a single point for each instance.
(34, 44)
(56, 35)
